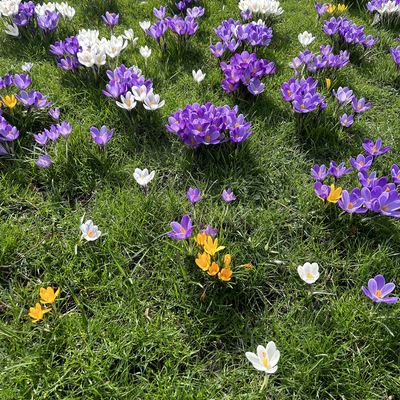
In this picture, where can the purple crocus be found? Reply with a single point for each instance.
(55, 113)
(374, 149)
(387, 203)
(255, 87)
(395, 172)
(352, 202)
(65, 129)
(209, 231)
(338, 171)
(196, 12)
(322, 191)
(3, 151)
(193, 195)
(218, 49)
(102, 137)
(182, 230)
(22, 81)
(160, 14)
(9, 133)
(343, 95)
(44, 161)
(28, 99)
(52, 134)
(40, 100)
(321, 9)
(110, 19)
(359, 106)
(319, 172)
(378, 289)
(365, 178)
(346, 120)
(246, 15)
(361, 162)
(41, 138)
(228, 196)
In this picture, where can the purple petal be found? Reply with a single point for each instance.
(380, 282)
(388, 288)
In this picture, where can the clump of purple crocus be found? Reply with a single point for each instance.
(48, 22)
(349, 33)
(378, 289)
(314, 63)
(206, 124)
(245, 70)
(233, 33)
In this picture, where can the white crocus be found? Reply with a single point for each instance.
(128, 102)
(198, 76)
(143, 177)
(87, 58)
(266, 358)
(145, 52)
(152, 101)
(140, 93)
(137, 70)
(305, 38)
(89, 231)
(128, 34)
(145, 25)
(100, 58)
(12, 30)
(9, 8)
(27, 67)
(114, 46)
(41, 9)
(70, 12)
(308, 272)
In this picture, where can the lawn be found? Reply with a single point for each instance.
(135, 317)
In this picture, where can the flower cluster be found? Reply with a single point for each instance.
(247, 70)
(206, 124)
(319, 62)
(47, 296)
(22, 15)
(130, 86)
(386, 9)
(375, 195)
(257, 34)
(263, 7)
(329, 8)
(302, 95)
(348, 32)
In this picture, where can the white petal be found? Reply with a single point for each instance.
(271, 349)
(274, 359)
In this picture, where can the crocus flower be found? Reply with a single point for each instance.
(213, 270)
(90, 232)
(378, 289)
(359, 106)
(145, 52)
(338, 171)
(143, 177)
(209, 231)
(374, 149)
(228, 196)
(322, 191)
(12, 30)
(44, 161)
(21, 81)
(55, 113)
(10, 102)
(37, 313)
(387, 203)
(319, 172)
(225, 274)
(255, 87)
(8, 132)
(365, 178)
(127, 102)
(65, 129)
(47, 295)
(101, 137)
(193, 195)
(305, 38)
(152, 101)
(218, 49)
(321, 9)
(308, 272)
(110, 19)
(346, 120)
(211, 247)
(395, 172)
(182, 230)
(334, 195)
(203, 261)
(41, 138)
(26, 67)
(52, 134)
(266, 358)
(160, 14)
(361, 162)
(198, 76)
(352, 202)
(145, 25)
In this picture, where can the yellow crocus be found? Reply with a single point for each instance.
(10, 102)
(331, 8)
(341, 7)
(203, 261)
(335, 194)
(37, 313)
(214, 269)
(328, 83)
(200, 239)
(225, 274)
(47, 295)
(211, 247)
(227, 260)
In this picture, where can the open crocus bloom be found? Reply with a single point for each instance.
(143, 177)
(89, 231)
(182, 230)
(266, 358)
(379, 289)
(308, 272)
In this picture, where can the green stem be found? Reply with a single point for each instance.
(264, 385)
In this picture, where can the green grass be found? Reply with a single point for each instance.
(130, 323)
